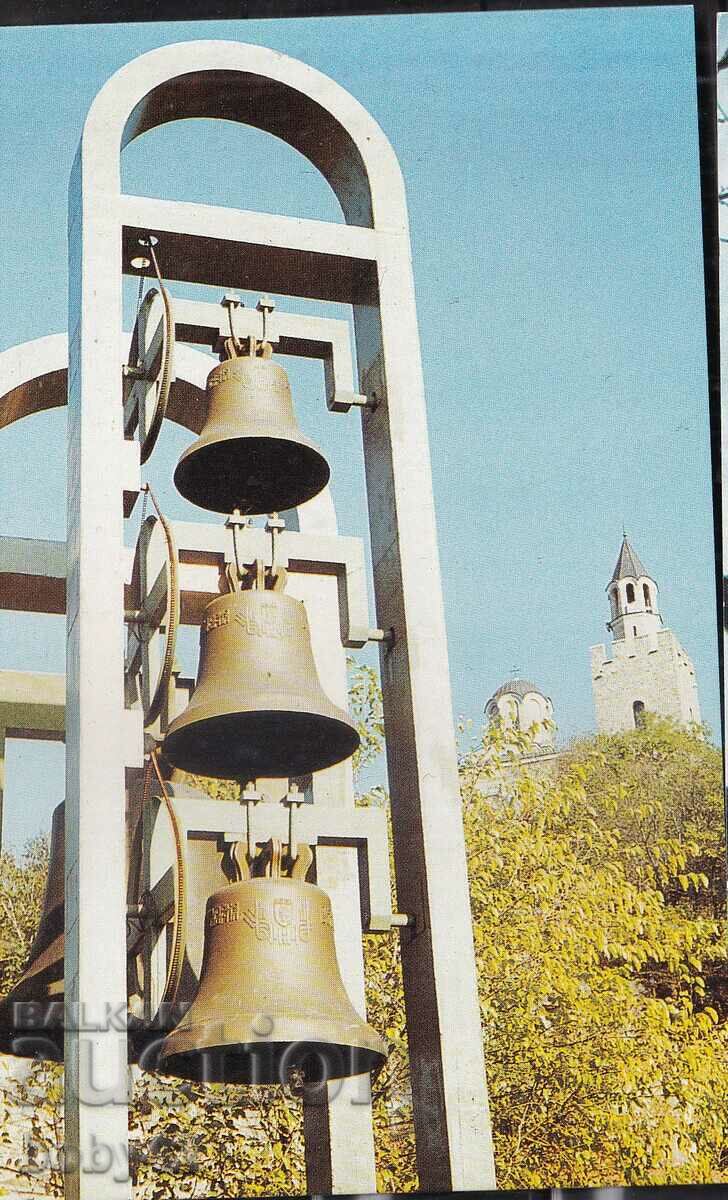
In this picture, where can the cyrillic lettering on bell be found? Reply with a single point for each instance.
(266, 621)
(223, 914)
(215, 620)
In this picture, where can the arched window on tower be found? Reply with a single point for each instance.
(646, 590)
(638, 712)
(630, 593)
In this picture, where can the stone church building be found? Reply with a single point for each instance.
(645, 669)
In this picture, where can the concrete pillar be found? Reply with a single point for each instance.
(452, 1124)
(95, 965)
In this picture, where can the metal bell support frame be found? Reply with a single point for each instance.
(258, 708)
(251, 453)
(271, 1006)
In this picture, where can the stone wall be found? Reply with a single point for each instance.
(654, 670)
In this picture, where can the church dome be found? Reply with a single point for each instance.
(516, 687)
(521, 703)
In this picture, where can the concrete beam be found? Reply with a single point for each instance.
(32, 705)
(231, 248)
(32, 575)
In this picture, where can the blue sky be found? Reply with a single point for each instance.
(551, 164)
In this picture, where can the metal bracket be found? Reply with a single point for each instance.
(256, 820)
(325, 338)
(205, 551)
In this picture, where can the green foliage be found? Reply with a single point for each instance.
(595, 1077)
(190, 1140)
(394, 1140)
(31, 1128)
(22, 884)
(660, 789)
(365, 706)
(31, 1095)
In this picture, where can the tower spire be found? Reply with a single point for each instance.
(632, 596)
(628, 563)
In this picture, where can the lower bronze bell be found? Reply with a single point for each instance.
(258, 708)
(31, 1015)
(271, 1001)
(251, 453)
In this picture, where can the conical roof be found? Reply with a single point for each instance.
(628, 563)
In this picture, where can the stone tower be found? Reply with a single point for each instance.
(647, 670)
(522, 704)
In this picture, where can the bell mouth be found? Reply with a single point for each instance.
(270, 1062)
(257, 474)
(237, 743)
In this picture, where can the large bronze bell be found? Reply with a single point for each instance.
(258, 708)
(251, 453)
(31, 1015)
(271, 1003)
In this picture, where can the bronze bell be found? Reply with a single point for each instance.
(251, 453)
(258, 708)
(271, 1004)
(31, 1015)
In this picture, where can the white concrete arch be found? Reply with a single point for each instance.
(34, 378)
(258, 87)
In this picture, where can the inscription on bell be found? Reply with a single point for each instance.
(265, 620)
(281, 921)
(215, 620)
(228, 371)
(223, 914)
